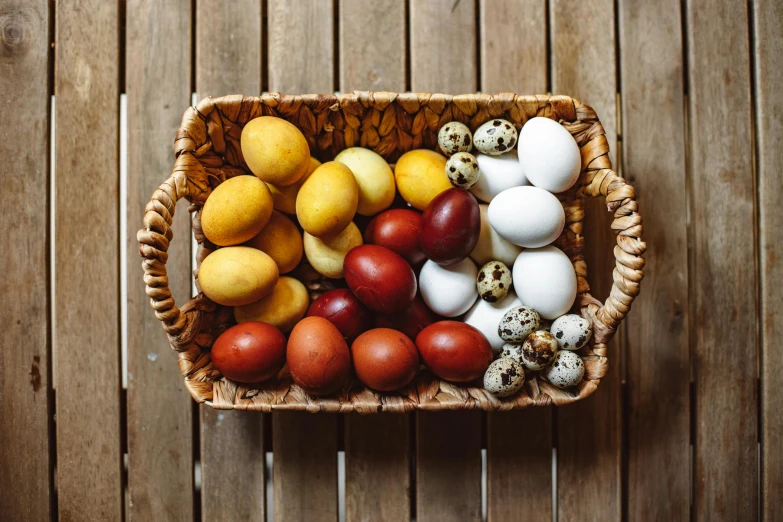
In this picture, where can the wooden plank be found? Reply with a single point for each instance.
(519, 443)
(160, 410)
(768, 18)
(229, 60)
(658, 396)
(372, 45)
(723, 274)
(25, 388)
(301, 60)
(305, 466)
(443, 46)
(89, 459)
(448, 444)
(589, 432)
(377, 447)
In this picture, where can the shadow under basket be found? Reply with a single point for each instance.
(207, 149)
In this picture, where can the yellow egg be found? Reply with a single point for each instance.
(421, 175)
(236, 210)
(285, 197)
(275, 150)
(327, 201)
(374, 177)
(283, 308)
(237, 275)
(326, 256)
(281, 240)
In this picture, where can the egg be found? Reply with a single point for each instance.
(281, 240)
(493, 281)
(421, 175)
(412, 320)
(511, 351)
(504, 377)
(538, 350)
(398, 230)
(571, 331)
(379, 278)
(496, 174)
(282, 308)
(486, 316)
(544, 280)
(527, 216)
(448, 290)
(567, 370)
(450, 226)
(518, 323)
(454, 351)
(284, 198)
(455, 137)
(318, 356)
(385, 359)
(236, 210)
(549, 155)
(275, 150)
(326, 255)
(249, 352)
(495, 137)
(374, 177)
(237, 275)
(462, 170)
(327, 201)
(341, 308)
(491, 246)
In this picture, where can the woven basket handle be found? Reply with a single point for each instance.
(627, 274)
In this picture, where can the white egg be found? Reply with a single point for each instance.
(485, 317)
(527, 216)
(544, 279)
(549, 155)
(449, 290)
(566, 370)
(496, 174)
(491, 245)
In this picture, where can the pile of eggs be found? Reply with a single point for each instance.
(459, 276)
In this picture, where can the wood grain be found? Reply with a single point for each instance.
(519, 443)
(160, 410)
(89, 461)
(768, 18)
(372, 45)
(301, 60)
(443, 46)
(723, 275)
(305, 466)
(25, 387)
(589, 432)
(228, 52)
(657, 349)
(301, 46)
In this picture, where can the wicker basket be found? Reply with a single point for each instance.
(207, 149)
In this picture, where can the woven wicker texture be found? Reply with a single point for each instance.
(207, 149)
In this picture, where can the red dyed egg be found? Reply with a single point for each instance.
(450, 226)
(343, 310)
(397, 230)
(385, 359)
(454, 351)
(318, 356)
(249, 352)
(412, 320)
(382, 280)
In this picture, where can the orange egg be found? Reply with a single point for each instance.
(318, 356)
(385, 359)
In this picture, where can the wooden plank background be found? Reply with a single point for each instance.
(690, 97)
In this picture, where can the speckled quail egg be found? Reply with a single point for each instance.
(518, 323)
(511, 351)
(493, 281)
(462, 170)
(455, 137)
(504, 377)
(571, 331)
(538, 350)
(495, 137)
(567, 370)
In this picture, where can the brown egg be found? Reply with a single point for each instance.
(249, 352)
(412, 320)
(318, 356)
(450, 226)
(454, 351)
(379, 278)
(343, 310)
(397, 230)
(385, 359)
